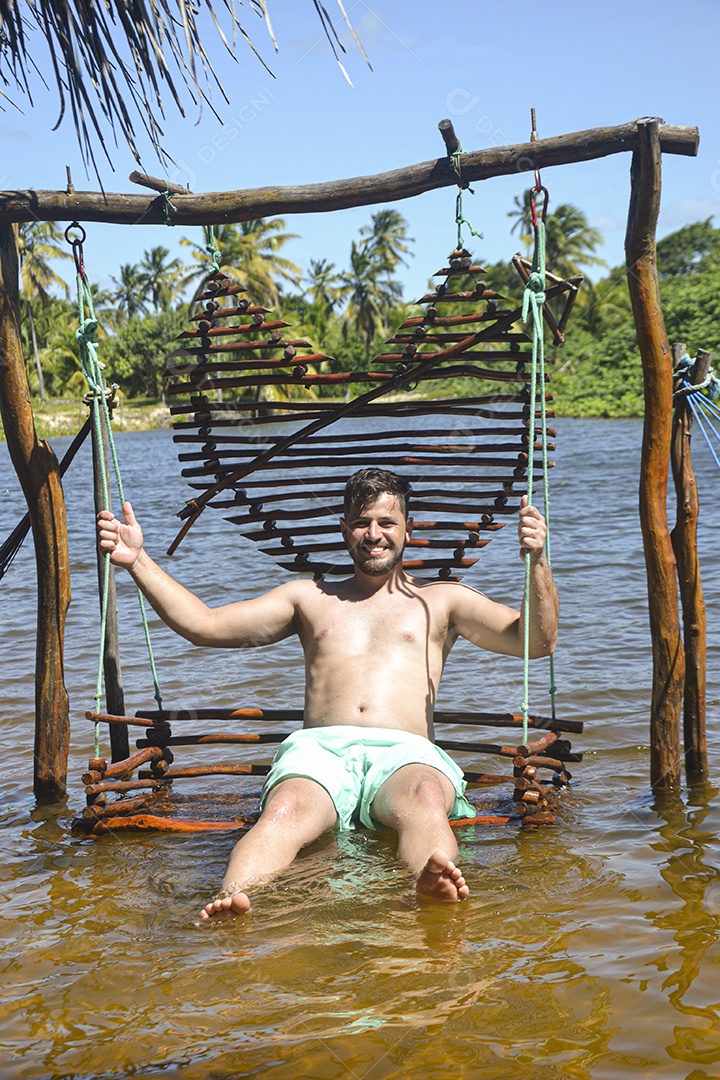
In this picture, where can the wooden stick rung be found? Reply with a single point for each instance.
(441, 716)
(208, 770)
(119, 768)
(120, 806)
(216, 468)
(452, 429)
(152, 821)
(539, 745)
(125, 785)
(450, 406)
(448, 451)
(218, 739)
(331, 527)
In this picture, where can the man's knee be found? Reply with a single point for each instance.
(299, 798)
(411, 789)
(431, 789)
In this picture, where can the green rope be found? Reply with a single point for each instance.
(168, 207)
(460, 220)
(533, 301)
(211, 247)
(92, 370)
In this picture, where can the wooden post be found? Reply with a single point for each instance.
(667, 647)
(37, 470)
(114, 695)
(684, 540)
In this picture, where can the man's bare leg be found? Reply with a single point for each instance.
(296, 812)
(415, 801)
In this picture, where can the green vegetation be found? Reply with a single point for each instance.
(349, 312)
(598, 369)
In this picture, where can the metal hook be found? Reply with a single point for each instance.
(537, 190)
(76, 242)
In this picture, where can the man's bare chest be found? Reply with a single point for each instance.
(377, 624)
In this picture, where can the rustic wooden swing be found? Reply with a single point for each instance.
(646, 139)
(265, 465)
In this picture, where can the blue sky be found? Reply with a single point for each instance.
(481, 64)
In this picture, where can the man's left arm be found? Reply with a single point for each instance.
(543, 616)
(499, 628)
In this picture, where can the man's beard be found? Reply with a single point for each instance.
(376, 565)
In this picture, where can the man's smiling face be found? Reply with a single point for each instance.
(376, 535)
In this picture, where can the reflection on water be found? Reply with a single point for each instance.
(586, 950)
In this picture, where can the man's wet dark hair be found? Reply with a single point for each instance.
(367, 485)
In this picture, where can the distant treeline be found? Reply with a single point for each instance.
(349, 312)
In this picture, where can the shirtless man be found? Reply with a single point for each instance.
(375, 646)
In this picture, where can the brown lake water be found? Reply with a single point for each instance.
(586, 950)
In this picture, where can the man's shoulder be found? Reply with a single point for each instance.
(298, 587)
(451, 597)
(303, 590)
(447, 590)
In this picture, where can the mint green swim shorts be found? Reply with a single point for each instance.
(352, 763)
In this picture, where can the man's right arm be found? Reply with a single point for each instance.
(259, 621)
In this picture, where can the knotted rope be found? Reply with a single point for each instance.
(532, 311)
(460, 220)
(702, 405)
(211, 247)
(92, 370)
(168, 207)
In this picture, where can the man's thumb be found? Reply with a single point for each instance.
(128, 514)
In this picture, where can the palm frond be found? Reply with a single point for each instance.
(110, 61)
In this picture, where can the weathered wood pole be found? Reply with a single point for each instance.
(219, 208)
(667, 647)
(114, 694)
(684, 540)
(37, 470)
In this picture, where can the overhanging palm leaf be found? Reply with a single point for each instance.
(103, 55)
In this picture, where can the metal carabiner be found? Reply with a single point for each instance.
(537, 190)
(76, 243)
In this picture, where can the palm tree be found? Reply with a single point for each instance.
(570, 242)
(387, 239)
(522, 214)
(325, 290)
(38, 242)
(105, 309)
(62, 358)
(324, 284)
(371, 293)
(250, 249)
(160, 276)
(131, 291)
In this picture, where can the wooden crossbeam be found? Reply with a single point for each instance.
(219, 208)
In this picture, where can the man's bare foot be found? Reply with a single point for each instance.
(440, 879)
(227, 902)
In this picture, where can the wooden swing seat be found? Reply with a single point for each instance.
(157, 772)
